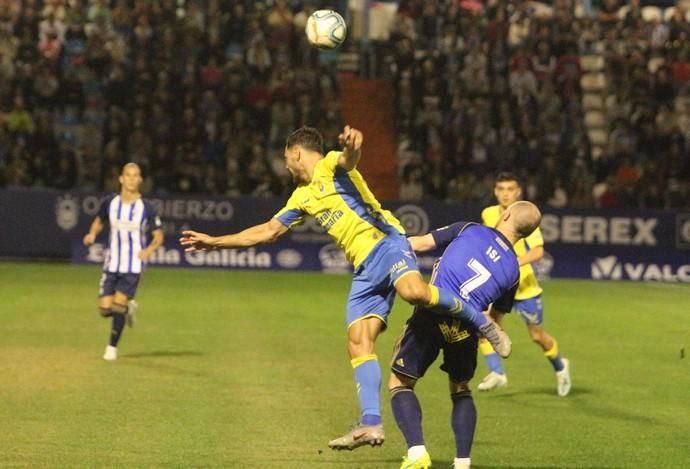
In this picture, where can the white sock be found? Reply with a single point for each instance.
(461, 463)
(416, 452)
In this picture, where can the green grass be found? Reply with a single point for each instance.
(249, 370)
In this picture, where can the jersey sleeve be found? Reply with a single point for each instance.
(104, 209)
(330, 161)
(291, 214)
(443, 236)
(153, 221)
(505, 303)
(535, 239)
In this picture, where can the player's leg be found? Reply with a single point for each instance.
(362, 336)
(550, 347)
(370, 301)
(460, 362)
(463, 422)
(413, 289)
(408, 415)
(414, 352)
(106, 290)
(361, 339)
(125, 288)
(496, 378)
(106, 295)
(532, 312)
(119, 310)
(397, 256)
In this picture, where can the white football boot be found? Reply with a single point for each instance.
(563, 378)
(493, 381)
(110, 353)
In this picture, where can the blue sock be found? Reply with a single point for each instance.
(494, 363)
(118, 326)
(557, 363)
(463, 421)
(408, 415)
(447, 303)
(368, 380)
(119, 314)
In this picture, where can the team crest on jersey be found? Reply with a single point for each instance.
(321, 187)
(67, 212)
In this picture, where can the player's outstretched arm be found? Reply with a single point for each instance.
(422, 243)
(352, 140)
(95, 228)
(258, 234)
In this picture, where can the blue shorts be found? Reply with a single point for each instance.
(530, 310)
(425, 335)
(373, 289)
(113, 281)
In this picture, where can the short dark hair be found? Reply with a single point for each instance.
(507, 176)
(307, 137)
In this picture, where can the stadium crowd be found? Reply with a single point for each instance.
(202, 94)
(501, 89)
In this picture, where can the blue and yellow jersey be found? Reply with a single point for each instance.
(529, 286)
(344, 206)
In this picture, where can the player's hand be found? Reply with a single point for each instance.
(89, 239)
(144, 254)
(351, 138)
(194, 241)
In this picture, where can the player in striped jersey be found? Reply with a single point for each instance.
(130, 219)
(528, 301)
(332, 191)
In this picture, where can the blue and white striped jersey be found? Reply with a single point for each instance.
(129, 225)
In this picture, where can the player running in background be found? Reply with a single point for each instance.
(332, 191)
(479, 265)
(528, 302)
(130, 218)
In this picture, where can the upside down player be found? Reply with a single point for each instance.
(528, 302)
(332, 190)
(129, 217)
(480, 266)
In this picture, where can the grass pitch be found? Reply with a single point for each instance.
(249, 370)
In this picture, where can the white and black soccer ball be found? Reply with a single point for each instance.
(326, 29)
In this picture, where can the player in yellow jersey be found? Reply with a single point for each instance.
(528, 302)
(332, 191)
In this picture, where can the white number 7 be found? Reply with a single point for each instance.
(481, 275)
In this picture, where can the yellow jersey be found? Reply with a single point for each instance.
(529, 286)
(343, 205)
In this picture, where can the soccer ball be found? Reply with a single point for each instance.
(326, 29)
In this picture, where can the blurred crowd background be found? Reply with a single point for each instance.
(589, 102)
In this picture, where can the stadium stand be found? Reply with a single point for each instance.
(588, 101)
(592, 110)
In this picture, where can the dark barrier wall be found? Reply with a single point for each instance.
(619, 245)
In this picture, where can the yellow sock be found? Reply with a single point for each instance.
(355, 362)
(435, 295)
(485, 347)
(553, 351)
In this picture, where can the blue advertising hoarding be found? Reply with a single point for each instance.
(616, 245)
